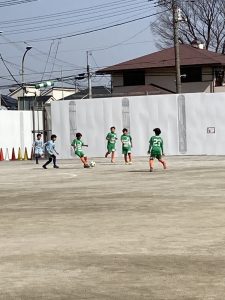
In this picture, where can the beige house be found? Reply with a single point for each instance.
(54, 93)
(201, 71)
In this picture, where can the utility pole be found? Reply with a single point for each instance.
(176, 45)
(62, 83)
(89, 77)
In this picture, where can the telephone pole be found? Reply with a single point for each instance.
(176, 45)
(89, 77)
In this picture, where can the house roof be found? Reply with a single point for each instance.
(97, 92)
(9, 102)
(189, 55)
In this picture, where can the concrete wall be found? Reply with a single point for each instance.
(16, 130)
(187, 121)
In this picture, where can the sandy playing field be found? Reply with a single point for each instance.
(114, 231)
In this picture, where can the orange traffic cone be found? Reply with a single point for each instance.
(1, 155)
(7, 154)
(19, 154)
(25, 154)
(13, 154)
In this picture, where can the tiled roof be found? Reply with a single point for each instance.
(189, 55)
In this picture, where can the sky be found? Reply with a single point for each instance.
(47, 24)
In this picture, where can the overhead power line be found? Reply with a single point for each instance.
(14, 2)
(88, 31)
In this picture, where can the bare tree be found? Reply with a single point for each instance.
(202, 20)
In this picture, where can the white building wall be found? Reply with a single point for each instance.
(16, 130)
(184, 121)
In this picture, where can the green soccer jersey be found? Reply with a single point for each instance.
(126, 140)
(111, 138)
(156, 144)
(78, 144)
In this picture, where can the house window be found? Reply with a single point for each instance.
(192, 74)
(133, 77)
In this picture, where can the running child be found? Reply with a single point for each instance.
(156, 149)
(50, 148)
(111, 145)
(126, 140)
(38, 148)
(77, 145)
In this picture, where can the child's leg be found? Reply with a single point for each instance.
(84, 160)
(54, 161)
(113, 157)
(130, 157)
(36, 158)
(48, 162)
(107, 153)
(125, 158)
(162, 161)
(151, 164)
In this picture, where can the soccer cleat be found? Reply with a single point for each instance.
(56, 167)
(86, 166)
(44, 167)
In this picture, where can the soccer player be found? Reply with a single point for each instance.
(126, 140)
(156, 149)
(38, 148)
(77, 145)
(111, 145)
(50, 148)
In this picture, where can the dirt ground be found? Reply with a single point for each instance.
(114, 231)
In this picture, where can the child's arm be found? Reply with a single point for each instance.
(162, 148)
(55, 151)
(84, 145)
(150, 146)
(131, 142)
(73, 145)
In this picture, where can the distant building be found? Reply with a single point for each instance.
(201, 71)
(32, 96)
(8, 103)
(97, 92)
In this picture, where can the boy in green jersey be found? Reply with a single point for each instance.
(126, 140)
(77, 144)
(156, 149)
(111, 145)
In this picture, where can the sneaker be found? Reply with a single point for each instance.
(44, 167)
(86, 166)
(56, 167)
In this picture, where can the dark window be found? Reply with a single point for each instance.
(133, 77)
(219, 74)
(193, 74)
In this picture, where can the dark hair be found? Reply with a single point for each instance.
(39, 134)
(157, 131)
(113, 127)
(53, 136)
(78, 135)
(125, 130)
